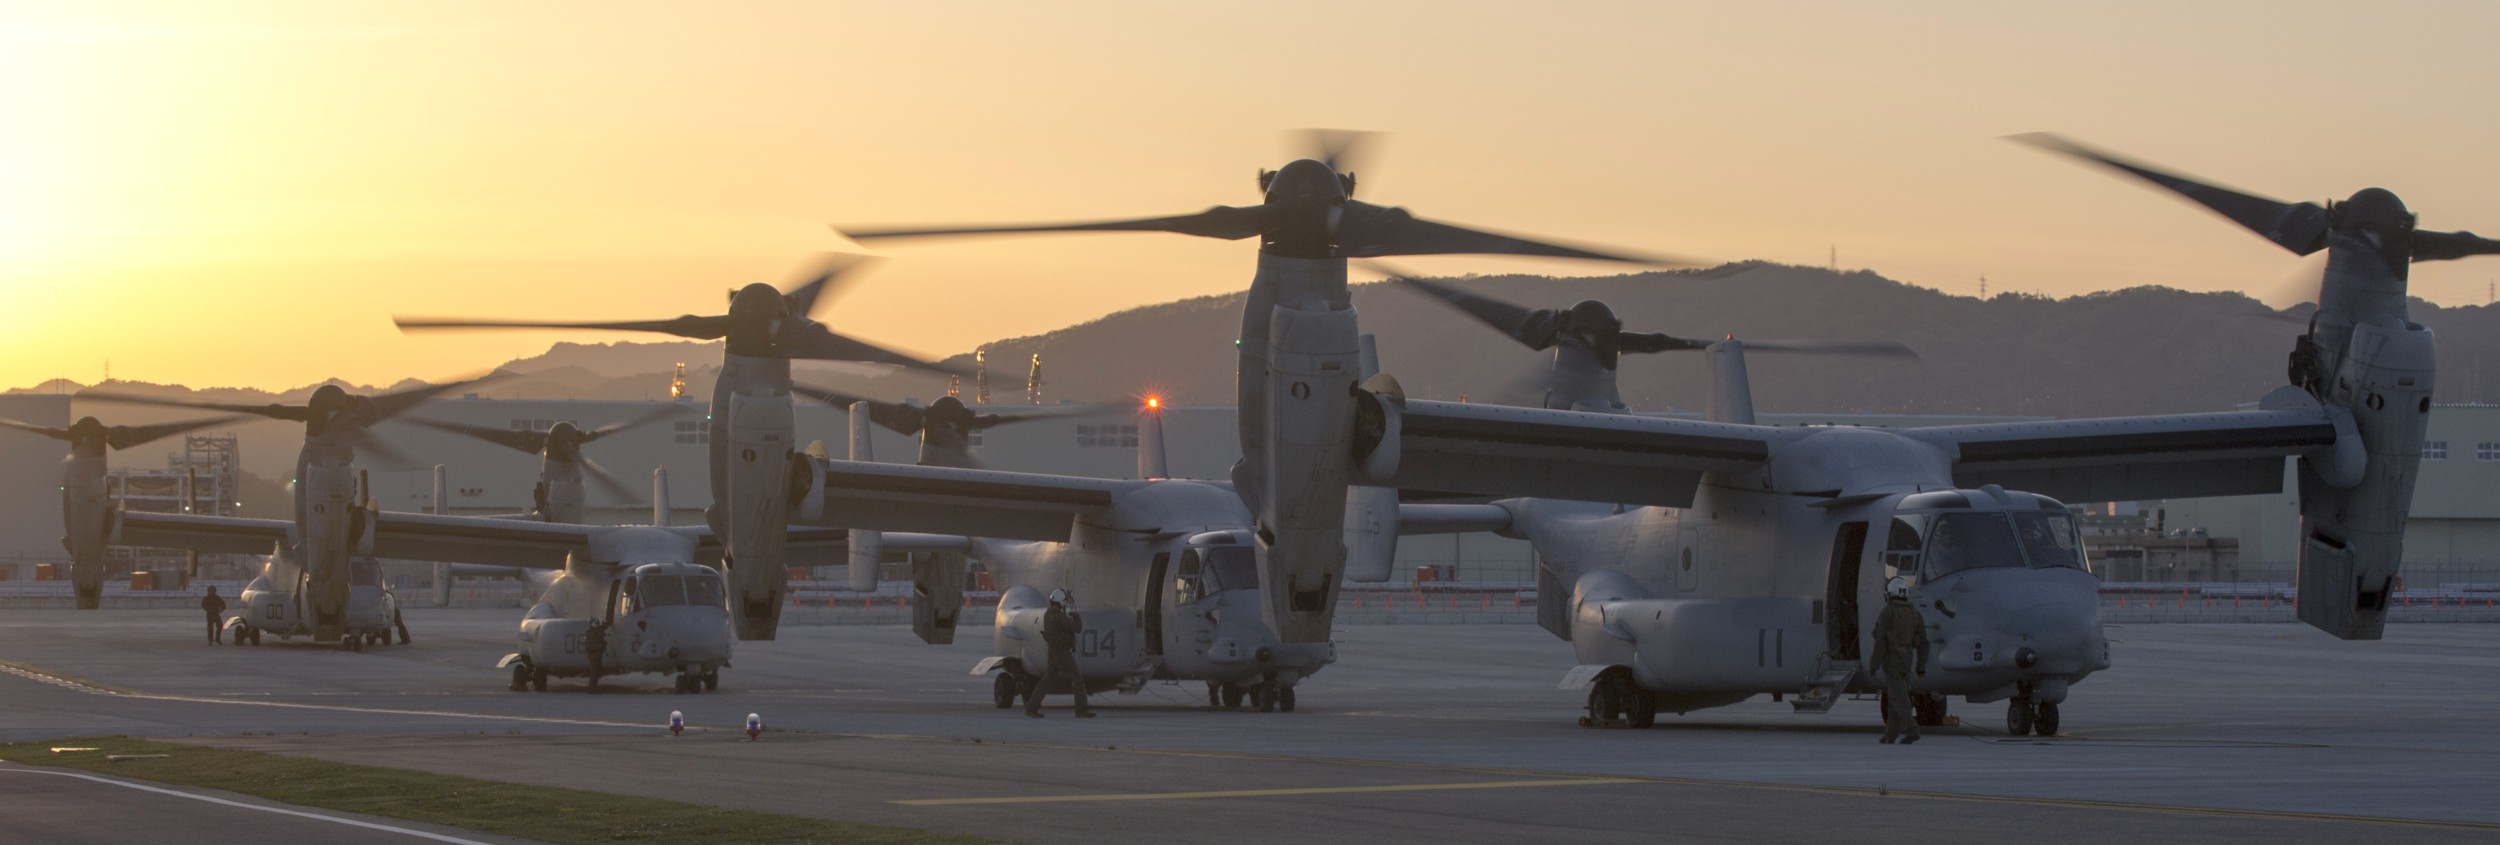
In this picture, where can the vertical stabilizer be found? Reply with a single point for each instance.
(659, 496)
(1371, 513)
(442, 505)
(861, 450)
(865, 546)
(1152, 462)
(1731, 393)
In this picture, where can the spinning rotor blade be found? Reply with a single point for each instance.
(387, 405)
(31, 428)
(291, 413)
(826, 284)
(1230, 223)
(689, 326)
(1638, 342)
(1372, 230)
(2443, 246)
(1337, 148)
(988, 421)
(518, 440)
(374, 451)
(1533, 327)
(902, 419)
(126, 436)
(2299, 227)
(608, 483)
(811, 341)
(656, 415)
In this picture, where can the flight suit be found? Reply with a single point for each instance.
(1900, 649)
(216, 608)
(1059, 630)
(595, 644)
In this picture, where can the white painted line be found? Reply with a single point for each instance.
(278, 810)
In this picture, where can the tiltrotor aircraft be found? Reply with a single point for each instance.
(86, 510)
(1161, 569)
(1298, 349)
(752, 423)
(315, 582)
(1730, 559)
(562, 468)
(1589, 342)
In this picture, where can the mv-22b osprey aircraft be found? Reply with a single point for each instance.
(1725, 559)
(316, 582)
(86, 507)
(752, 424)
(1298, 353)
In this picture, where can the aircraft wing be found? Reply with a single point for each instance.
(895, 541)
(203, 534)
(527, 544)
(942, 500)
(1492, 450)
(1451, 519)
(2127, 458)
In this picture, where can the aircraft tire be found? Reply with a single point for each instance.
(1215, 695)
(2044, 722)
(1644, 709)
(1232, 696)
(255, 637)
(1264, 698)
(711, 680)
(1928, 710)
(521, 676)
(538, 680)
(688, 684)
(1284, 699)
(2018, 721)
(1003, 690)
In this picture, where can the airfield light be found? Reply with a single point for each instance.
(1154, 403)
(676, 722)
(755, 726)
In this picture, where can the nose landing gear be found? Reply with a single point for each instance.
(2025, 714)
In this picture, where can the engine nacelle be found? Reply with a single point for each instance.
(2352, 534)
(1313, 362)
(756, 523)
(937, 595)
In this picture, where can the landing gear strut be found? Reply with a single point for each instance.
(2025, 715)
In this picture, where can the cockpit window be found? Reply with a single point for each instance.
(1960, 541)
(661, 590)
(2049, 539)
(1231, 568)
(703, 590)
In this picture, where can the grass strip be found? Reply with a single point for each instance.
(544, 813)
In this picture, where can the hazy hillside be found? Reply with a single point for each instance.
(2142, 350)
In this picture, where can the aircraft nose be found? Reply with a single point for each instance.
(2060, 635)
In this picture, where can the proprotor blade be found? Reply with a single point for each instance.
(1534, 327)
(827, 283)
(1230, 223)
(2299, 227)
(807, 340)
(2442, 246)
(1637, 342)
(518, 440)
(387, 405)
(31, 428)
(290, 413)
(689, 326)
(656, 415)
(126, 436)
(896, 417)
(1371, 230)
(1340, 149)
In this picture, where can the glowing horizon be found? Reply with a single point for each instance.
(245, 196)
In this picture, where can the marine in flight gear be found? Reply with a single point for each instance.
(1059, 630)
(1900, 649)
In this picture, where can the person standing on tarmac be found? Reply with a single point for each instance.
(595, 644)
(1059, 630)
(216, 608)
(1899, 634)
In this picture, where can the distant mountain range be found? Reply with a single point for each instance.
(2135, 351)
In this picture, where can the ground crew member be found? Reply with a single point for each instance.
(1899, 634)
(399, 623)
(1059, 630)
(216, 608)
(595, 644)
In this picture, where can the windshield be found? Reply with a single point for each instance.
(660, 590)
(1960, 541)
(1231, 568)
(2049, 539)
(703, 590)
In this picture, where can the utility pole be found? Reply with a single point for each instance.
(1835, 258)
(1983, 287)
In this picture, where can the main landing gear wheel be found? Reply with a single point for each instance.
(1232, 696)
(520, 677)
(2018, 721)
(355, 642)
(1264, 698)
(538, 680)
(1284, 699)
(2044, 720)
(688, 683)
(1215, 695)
(1003, 690)
(1609, 699)
(1644, 710)
(711, 680)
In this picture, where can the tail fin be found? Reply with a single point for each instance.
(1151, 461)
(659, 495)
(1731, 393)
(861, 449)
(1371, 513)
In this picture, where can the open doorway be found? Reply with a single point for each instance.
(1840, 621)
